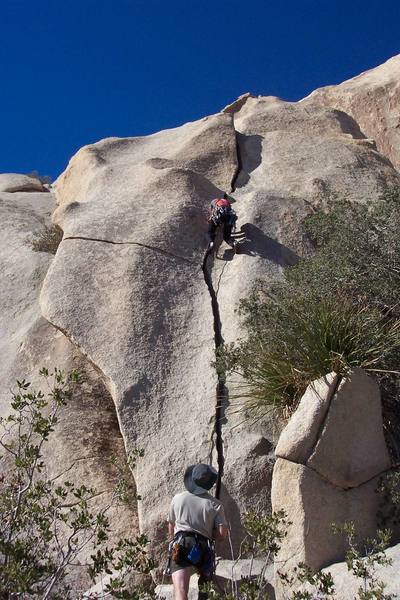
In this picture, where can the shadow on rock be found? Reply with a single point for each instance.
(257, 243)
(249, 154)
(236, 528)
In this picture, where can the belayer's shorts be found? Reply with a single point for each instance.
(187, 542)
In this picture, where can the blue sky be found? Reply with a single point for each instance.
(75, 71)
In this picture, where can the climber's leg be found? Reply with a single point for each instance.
(180, 580)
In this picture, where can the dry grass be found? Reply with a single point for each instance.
(48, 240)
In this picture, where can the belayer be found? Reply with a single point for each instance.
(195, 520)
(222, 214)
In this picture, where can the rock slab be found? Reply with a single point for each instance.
(373, 100)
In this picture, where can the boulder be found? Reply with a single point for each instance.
(298, 439)
(15, 182)
(312, 505)
(331, 477)
(351, 451)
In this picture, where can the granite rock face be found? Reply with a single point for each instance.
(143, 315)
(23, 218)
(373, 100)
(134, 216)
(87, 436)
(291, 158)
(125, 294)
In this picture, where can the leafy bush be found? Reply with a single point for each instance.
(45, 523)
(362, 561)
(357, 252)
(265, 534)
(335, 309)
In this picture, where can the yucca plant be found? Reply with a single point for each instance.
(311, 340)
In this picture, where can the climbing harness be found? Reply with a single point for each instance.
(201, 554)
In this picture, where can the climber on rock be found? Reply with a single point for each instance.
(222, 213)
(195, 520)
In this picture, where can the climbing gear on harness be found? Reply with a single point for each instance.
(167, 570)
(201, 554)
(223, 214)
(175, 551)
(195, 555)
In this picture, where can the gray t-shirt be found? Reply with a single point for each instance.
(202, 513)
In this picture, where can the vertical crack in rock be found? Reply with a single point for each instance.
(221, 390)
(332, 393)
(239, 163)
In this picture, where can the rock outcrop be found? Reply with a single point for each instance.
(15, 182)
(373, 100)
(125, 295)
(330, 472)
(133, 214)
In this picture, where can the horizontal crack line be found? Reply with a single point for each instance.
(165, 252)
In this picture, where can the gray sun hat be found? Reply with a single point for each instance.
(200, 478)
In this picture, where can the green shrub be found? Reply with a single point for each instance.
(45, 523)
(357, 252)
(264, 536)
(334, 310)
